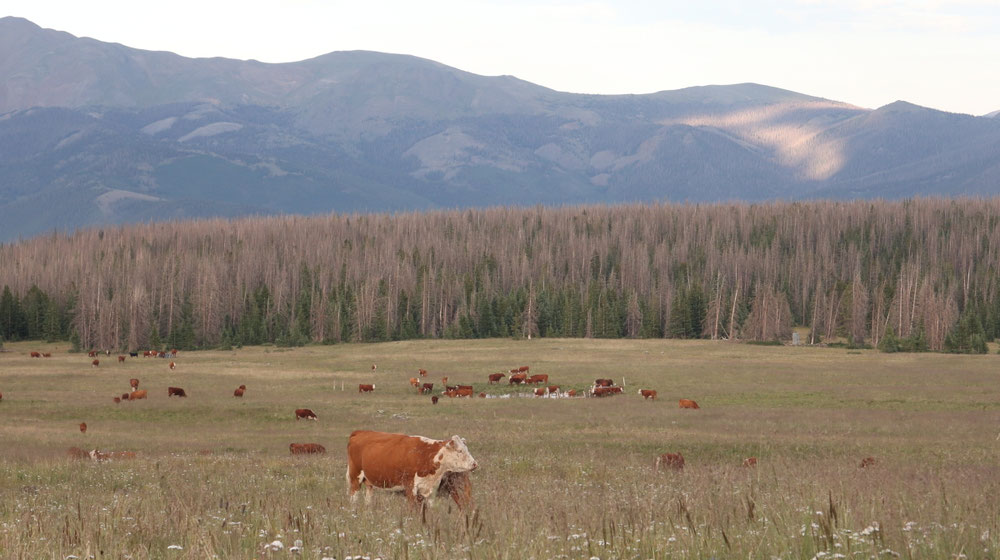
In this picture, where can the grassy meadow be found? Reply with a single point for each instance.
(558, 478)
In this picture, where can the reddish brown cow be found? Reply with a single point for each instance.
(134, 383)
(451, 392)
(540, 392)
(36, 354)
(688, 403)
(136, 395)
(422, 372)
(540, 378)
(95, 363)
(464, 391)
(175, 392)
(83, 427)
(673, 461)
(482, 395)
(117, 399)
(426, 388)
(460, 387)
(867, 462)
(434, 399)
(750, 462)
(92, 354)
(603, 382)
(173, 352)
(304, 413)
(606, 391)
(450, 388)
(121, 359)
(648, 393)
(496, 377)
(161, 354)
(47, 355)
(571, 392)
(522, 369)
(553, 389)
(415, 382)
(366, 388)
(148, 354)
(172, 365)
(305, 448)
(414, 463)
(517, 378)
(239, 391)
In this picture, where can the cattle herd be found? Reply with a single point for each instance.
(414, 465)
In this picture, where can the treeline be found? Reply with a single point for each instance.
(908, 275)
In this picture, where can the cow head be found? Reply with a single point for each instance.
(455, 457)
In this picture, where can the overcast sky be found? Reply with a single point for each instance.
(937, 53)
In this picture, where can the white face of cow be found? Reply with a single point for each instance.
(455, 456)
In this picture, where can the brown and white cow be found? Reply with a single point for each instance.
(92, 354)
(47, 354)
(374, 367)
(136, 395)
(414, 464)
(95, 363)
(750, 462)
(444, 380)
(239, 391)
(434, 399)
(496, 377)
(516, 378)
(540, 392)
(540, 378)
(36, 354)
(571, 393)
(305, 448)
(366, 388)
(415, 382)
(688, 403)
(83, 427)
(422, 372)
(134, 383)
(606, 391)
(603, 382)
(464, 391)
(304, 413)
(648, 393)
(553, 389)
(121, 359)
(673, 461)
(175, 392)
(172, 365)
(522, 369)
(426, 388)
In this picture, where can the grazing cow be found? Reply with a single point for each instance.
(414, 464)
(363, 388)
(136, 395)
(571, 393)
(482, 395)
(458, 485)
(121, 359)
(36, 354)
(239, 391)
(422, 372)
(173, 352)
(134, 383)
(673, 461)
(148, 354)
(92, 354)
(415, 382)
(305, 448)
(450, 388)
(175, 392)
(117, 399)
(606, 391)
(540, 378)
(434, 399)
(172, 365)
(426, 388)
(553, 389)
(688, 403)
(750, 462)
(47, 355)
(77, 453)
(95, 363)
(496, 377)
(161, 354)
(460, 387)
(464, 391)
(304, 413)
(516, 378)
(867, 462)
(648, 394)
(83, 427)
(133, 354)
(603, 382)
(451, 392)
(540, 392)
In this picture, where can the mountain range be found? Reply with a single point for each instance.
(99, 133)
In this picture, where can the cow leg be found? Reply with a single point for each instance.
(368, 492)
(354, 477)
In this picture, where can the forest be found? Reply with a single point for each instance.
(915, 275)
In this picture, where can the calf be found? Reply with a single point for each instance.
(175, 392)
(364, 388)
(648, 394)
(434, 399)
(305, 448)
(92, 354)
(673, 461)
(136, 395)
(304, 413)
(172, 365)
(688, 403)
(495, 378)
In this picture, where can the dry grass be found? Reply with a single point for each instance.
(567, 478)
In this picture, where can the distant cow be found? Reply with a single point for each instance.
(516, 378)
(750, 462)
(867, 462)
(606, 391)
(92, 354)
(496, 377)
(422, 372)
(161, 354)
(688, 403)
(571, 393)
(414, 381)
(364, 388)
(117, 399)
(134, 383)
(175, 392)
(464, 391)
(304, 413)
(83, 427)
(434, 399)
(47, 355)
(522, 369)
(444, 380)
(148, 354)
(239, 391)
(648, 393)
(305, 448)
(121, 359)
(603, 382)
(540, 392)
(540, 378)
(172, 365)
(95, 363)
(426, 388)
(36, 354)
(482, 395)
(374, 367)
(669, 461)
(450, 388)
(173, 352)
(136, 395)
(133, 354)
(414, 463)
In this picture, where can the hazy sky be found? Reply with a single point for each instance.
(938, 53)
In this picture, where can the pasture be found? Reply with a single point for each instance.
(558, 478)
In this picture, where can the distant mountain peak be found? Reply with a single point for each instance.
(992, 115)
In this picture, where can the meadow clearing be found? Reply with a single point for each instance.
(558, 478)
